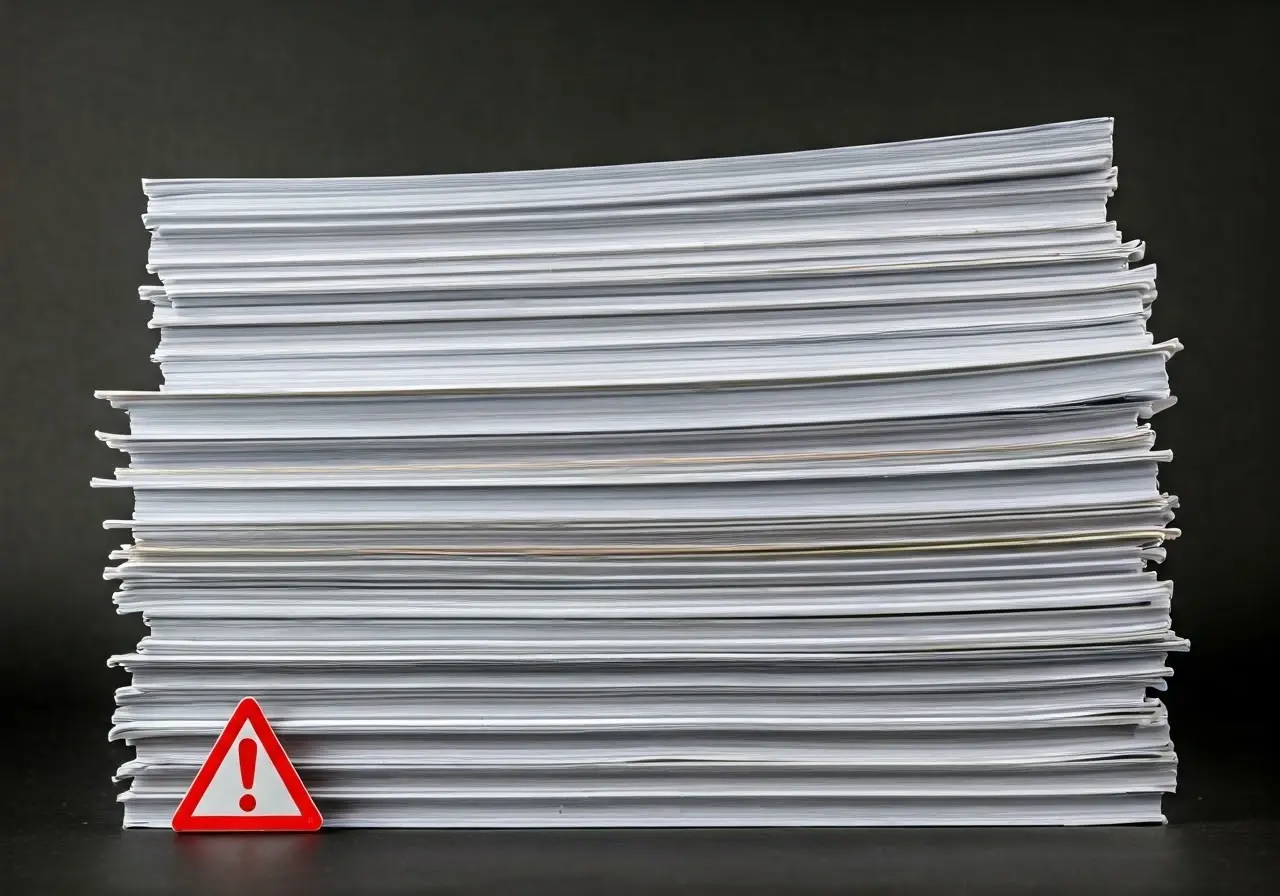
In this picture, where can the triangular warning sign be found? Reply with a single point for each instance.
(247, 783)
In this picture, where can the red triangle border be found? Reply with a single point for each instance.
(308, 817)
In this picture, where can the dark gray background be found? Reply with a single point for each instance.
(95, 96)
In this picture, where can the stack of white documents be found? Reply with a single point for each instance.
(802, 489)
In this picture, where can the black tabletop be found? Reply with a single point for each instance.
(61, 834)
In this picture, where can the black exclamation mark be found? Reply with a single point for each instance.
(248, 763)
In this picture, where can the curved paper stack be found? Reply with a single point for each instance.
(801, 489)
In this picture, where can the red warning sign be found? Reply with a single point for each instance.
(251, 788)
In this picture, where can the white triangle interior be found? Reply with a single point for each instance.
(226, 788)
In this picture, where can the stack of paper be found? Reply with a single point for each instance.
(804, 489)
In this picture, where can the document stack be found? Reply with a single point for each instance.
(799, 489)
